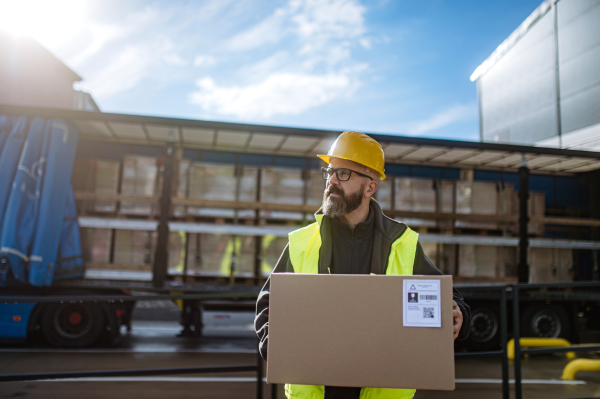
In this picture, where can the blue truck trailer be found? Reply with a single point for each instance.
(63, 231)
(39, 237)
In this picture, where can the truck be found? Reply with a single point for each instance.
(180, 206)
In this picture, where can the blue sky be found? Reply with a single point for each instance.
(398, 67)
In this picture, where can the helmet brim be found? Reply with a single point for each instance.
(327, 159)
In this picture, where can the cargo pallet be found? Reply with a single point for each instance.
(168, 143)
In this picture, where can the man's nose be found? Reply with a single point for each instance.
(333, 180)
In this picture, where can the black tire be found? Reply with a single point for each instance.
(72, 325)
(545, 321)
(485, 328)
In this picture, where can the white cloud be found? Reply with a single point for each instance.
(455, 113)
(318, 19)
(131, 66)
(121, 74)
(204, 60)
(270, 30)
(315, 68)
(117, 46)
(366, 43)
(174, 59)
(314, 22)
(279, 94)
(300, 58)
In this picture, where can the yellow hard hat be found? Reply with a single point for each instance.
(360, 148)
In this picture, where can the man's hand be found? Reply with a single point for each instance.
(458, 318)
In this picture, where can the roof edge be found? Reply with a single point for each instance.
(80, 115)
(512, 39)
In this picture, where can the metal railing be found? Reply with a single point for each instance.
(258, 367)
(516, 288)
(503, 352)
(505, 289)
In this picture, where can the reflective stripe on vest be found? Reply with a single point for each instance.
(304, 249)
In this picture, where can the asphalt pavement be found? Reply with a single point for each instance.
(230, 341)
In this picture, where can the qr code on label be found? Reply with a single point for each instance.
(428, 313)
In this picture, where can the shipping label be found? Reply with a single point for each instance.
(421, 303)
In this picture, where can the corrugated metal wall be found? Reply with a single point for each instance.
(518, 95)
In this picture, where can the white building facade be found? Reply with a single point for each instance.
(541, 86)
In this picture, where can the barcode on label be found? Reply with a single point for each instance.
(428, 313)
(429, 297)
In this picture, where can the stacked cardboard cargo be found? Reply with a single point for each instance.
(280, 185)
(272, 248)
(214, 255)
(478, 261)
(415, 195)
(474, 197)
(383, 195)
(95, 245)
(550, 265)
(218, 182)
(139, 178)
(315, 185)
(180, 189)
(247, 189)
(209, 181)
(134, 250)
(537, 208)
(177, 244)
(106, 182)
(97, 176)
(486, 261)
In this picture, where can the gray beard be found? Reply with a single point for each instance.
(340, 206)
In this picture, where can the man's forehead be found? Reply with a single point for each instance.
(344, 163)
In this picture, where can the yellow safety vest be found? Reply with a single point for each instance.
(304, 249)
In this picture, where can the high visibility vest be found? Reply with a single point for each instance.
(304, 249)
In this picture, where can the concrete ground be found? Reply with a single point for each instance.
(153, 344)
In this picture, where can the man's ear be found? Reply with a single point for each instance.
(371, 189)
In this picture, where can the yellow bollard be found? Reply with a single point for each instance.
(538, 343)
(579, 365)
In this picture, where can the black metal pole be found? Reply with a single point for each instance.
(523, 271)
(594, 190)
(273, 391)
(126, 373)
(258, 240)
(161, 256)
(517, 338)
(504, 338)
(259, 373)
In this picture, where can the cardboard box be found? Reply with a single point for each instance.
(138, 179)
(348, 330)
(281, 185)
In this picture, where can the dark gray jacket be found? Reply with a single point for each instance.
(364, 250)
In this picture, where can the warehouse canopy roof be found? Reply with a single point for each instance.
(188, 133)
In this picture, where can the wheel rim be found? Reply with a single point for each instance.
(72, 321)
(546, 323)
(484, 325)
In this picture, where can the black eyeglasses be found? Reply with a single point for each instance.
(342, 174)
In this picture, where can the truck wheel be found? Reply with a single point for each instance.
(72, 325)
(545, 321)
(485, 328)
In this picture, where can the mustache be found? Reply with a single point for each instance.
(334, 190)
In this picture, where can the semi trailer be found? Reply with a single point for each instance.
(138, 204)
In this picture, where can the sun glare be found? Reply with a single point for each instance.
(50, 22)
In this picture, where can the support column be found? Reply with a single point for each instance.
(523, 270)
(593, 182)
(161, 256)
(258, 240)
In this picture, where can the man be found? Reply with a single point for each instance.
(353, 236)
